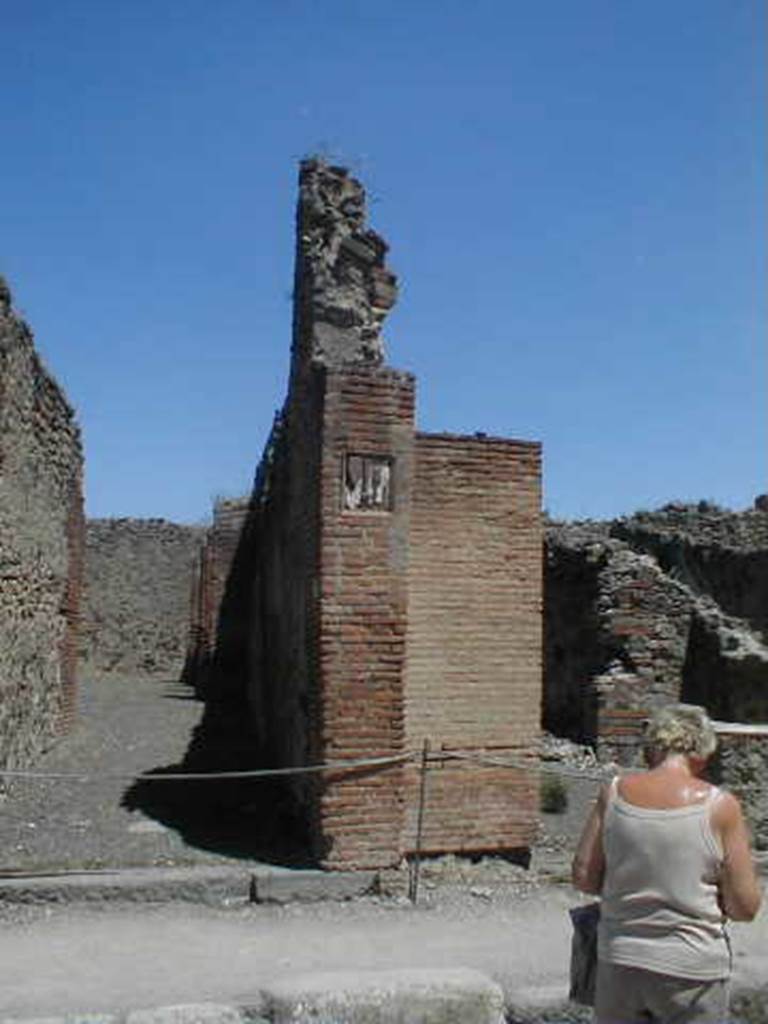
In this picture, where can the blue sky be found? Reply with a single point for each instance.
(573, 192)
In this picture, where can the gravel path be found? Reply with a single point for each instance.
(125, 727)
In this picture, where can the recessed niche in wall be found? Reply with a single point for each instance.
(367, 483)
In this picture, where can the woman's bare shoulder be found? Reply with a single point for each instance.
(663, 789)
(726, 810)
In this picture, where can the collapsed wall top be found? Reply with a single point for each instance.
(343, 289)
(5, 296)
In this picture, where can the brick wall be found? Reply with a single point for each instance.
(363, 614)
(383, 601)
(473, 679)
(283, 647)
(40, 547)
(221, 596)
(648, 622)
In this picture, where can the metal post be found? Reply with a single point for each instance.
(413, 887)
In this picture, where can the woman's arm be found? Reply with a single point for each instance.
(588, 865)
(740, 892)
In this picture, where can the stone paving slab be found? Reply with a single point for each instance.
(427, 996)
(310, 886)
(209, 884)
(202, 884)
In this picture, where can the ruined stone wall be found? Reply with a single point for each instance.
(573, 652)
(644, 630)
(343, 288)
(715, 552)
(136, 601)
(41, 528)
(643, 610)
(473, 681)
(742, 766)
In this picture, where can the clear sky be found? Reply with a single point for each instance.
(573, 192)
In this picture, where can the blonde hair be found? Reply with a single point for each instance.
(681, 729)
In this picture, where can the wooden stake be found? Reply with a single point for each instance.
(413, 888)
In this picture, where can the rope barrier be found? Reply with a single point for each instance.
(588, 774)
(596, 774)
(330, 766)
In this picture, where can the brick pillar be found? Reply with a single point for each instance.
(368, 419)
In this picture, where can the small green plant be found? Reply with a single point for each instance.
(553, 795)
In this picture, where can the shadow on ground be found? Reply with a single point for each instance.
(242, 818)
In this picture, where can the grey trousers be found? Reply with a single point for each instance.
(630, 995)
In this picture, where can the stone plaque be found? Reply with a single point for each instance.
(367, 485)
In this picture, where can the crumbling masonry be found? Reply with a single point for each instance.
(41, 545)
(382, 587)
(659, 607)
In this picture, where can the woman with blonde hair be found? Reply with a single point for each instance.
(670, 856)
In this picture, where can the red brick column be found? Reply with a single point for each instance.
(362, 619)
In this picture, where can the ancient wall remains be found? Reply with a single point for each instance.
(712, 551)
(220, 590)
(741, 765)
(338, 546)
(283, 652)
(331, 600)
(573, 653)
(41, 544)
(136, 600)
(661, 606)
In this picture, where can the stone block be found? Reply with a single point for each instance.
(459, 996)
(209, 884)
(311, 886)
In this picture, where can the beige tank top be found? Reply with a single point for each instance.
(659, 901)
